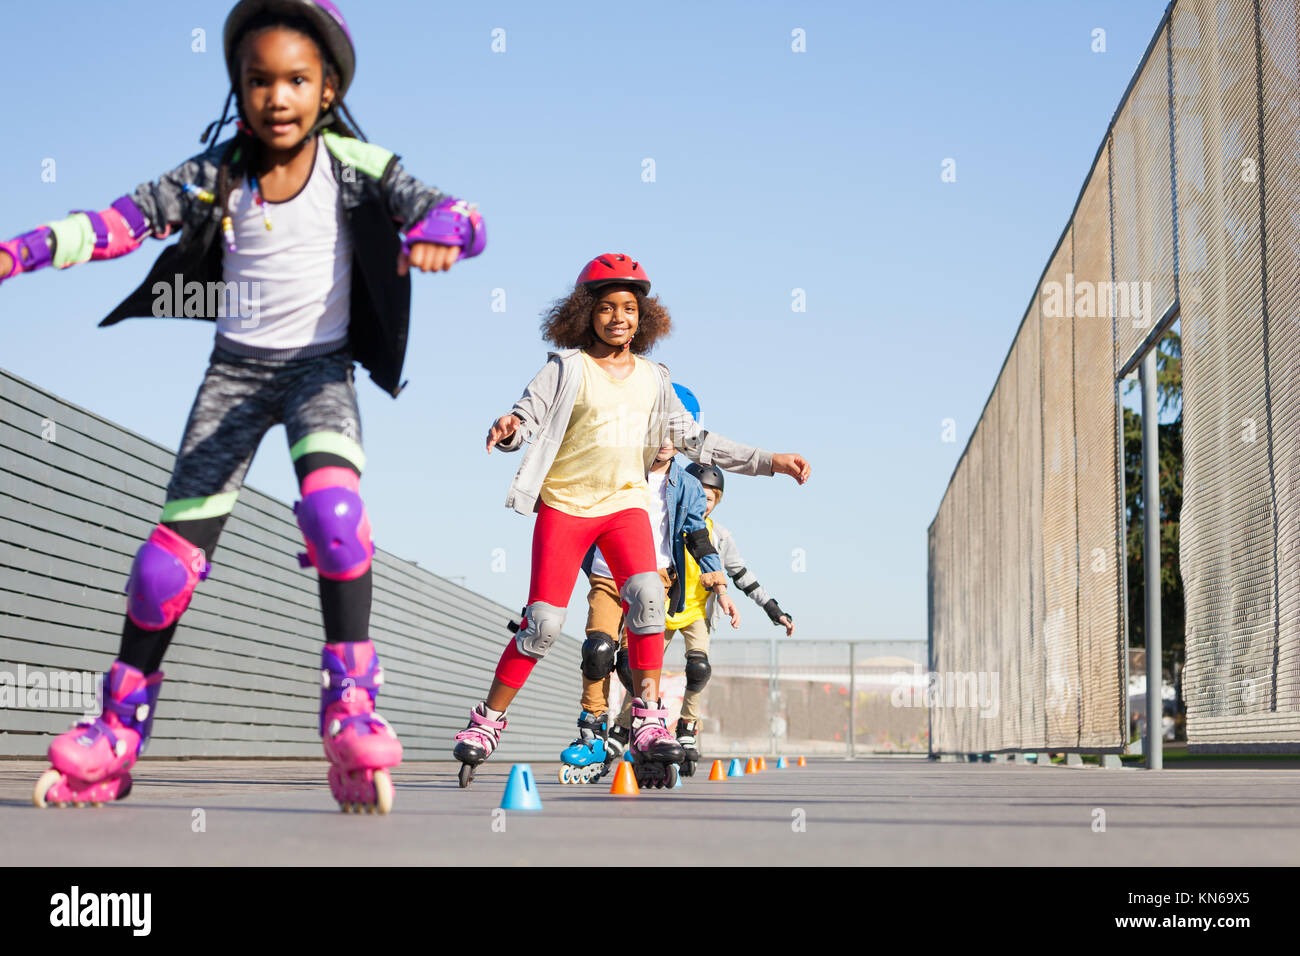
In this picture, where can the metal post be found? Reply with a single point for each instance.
(1151, 557)
(853, 694)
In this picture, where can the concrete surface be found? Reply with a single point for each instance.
(875, 811)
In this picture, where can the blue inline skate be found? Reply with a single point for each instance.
(583, 761)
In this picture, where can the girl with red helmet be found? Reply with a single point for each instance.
(594, 419)
(301, 235)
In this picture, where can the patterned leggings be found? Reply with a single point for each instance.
(240, 399)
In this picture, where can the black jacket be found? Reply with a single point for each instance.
(378, 197)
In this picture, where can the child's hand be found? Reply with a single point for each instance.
(793, 465)
(427, 257)
(787, 624)
(505, 426)
(729, 608)
(711, 579)
(6, 264)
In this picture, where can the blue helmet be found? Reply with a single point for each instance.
(688, 399)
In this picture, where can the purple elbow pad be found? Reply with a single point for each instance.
(453, 222)
(29, 252)
(119, 229)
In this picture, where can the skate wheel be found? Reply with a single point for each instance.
(47, 780)
(345, 807)
(672, 777)
(564, 773)
(688, 768)
(383, 793)
(466, 775)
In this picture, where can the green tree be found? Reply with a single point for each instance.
(1169, 390)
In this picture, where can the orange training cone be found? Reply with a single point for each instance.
(625, 781)
(718, 772)
(802, 762)
(751, 766)
(762, 763)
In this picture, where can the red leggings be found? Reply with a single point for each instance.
(560, 542)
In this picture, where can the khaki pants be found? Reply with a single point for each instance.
(605, 614)
(696, 636)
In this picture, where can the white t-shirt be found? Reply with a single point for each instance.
(658, 526)
(294, 281)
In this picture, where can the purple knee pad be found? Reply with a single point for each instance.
(166, 571)
(334, 524)
(453, 222)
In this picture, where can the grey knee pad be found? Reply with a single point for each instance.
(545, 621)
(697, 670)
(644, 594)
(598, 655)
(624, 669)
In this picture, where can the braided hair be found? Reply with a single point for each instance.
(244, 152)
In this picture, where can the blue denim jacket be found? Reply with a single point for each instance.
(686, 506)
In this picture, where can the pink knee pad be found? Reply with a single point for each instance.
(334, 524)
(166, 571)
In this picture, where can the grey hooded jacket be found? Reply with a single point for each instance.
(547, 403)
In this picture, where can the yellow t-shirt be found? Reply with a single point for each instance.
(601, 465)
(696, 596)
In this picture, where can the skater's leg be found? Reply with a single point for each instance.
(628, 547)
(559, 543)
(322, 424)
(231, 413)
(604, 610)
(698, 670)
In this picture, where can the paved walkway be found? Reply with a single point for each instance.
(893, 811)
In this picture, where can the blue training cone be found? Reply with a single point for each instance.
(737, 769)
(521, 790)
(781, 764)
(627, 755)
(679, 781)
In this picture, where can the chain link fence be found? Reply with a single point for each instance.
(1191, 212)
(804, 697)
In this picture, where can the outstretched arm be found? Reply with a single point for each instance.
(79, 237)
(710, 448)
(744, 580)
(509, 432)
(440, 229)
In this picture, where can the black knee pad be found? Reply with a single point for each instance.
(598, 655)
(697, 670)
(624, 668)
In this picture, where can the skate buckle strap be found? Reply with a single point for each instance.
(97, 728)
(342, 680)
(650, 712)
(483, 720)
(370, 723)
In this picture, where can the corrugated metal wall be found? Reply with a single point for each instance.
(78, 495)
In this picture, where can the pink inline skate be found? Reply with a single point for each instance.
(476, 742)
(359, 744)
(655, 751)
(91, 761)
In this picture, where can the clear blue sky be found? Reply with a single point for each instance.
(775, 171)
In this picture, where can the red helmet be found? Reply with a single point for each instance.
(613, 269)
